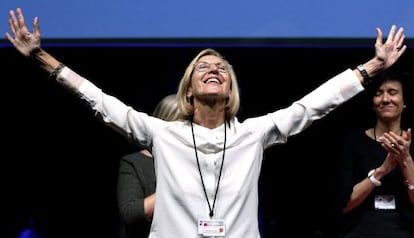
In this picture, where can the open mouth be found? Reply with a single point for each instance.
(212, 80)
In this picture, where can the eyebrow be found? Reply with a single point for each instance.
(212, 63)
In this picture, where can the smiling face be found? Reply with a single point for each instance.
(210, 79)
(388, 101)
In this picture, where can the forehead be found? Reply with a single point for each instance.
(390, 84)
(211, 59)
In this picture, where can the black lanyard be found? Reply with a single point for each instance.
(211, 214)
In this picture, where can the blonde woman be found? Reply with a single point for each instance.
(208, 163)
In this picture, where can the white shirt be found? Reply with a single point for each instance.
(180, 199)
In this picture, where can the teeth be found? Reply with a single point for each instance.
(213, 80)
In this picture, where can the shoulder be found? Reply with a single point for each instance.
(355, 134)
(357, 139)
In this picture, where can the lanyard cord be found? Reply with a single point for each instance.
(211, 214)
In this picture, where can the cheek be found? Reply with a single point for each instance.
(196, 80)
(375, 104)
(376, 101)
(400, 101)
(194, 83)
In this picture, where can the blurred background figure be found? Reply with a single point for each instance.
(136, 181)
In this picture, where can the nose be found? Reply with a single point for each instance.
(385, 98)
(213, 68)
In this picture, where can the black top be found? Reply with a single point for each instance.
(361, 154)
(136, 180)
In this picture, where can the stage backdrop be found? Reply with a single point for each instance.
(238, 22)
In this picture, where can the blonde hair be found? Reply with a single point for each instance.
(186, 109)
(167, 108)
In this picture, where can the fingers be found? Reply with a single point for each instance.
(36, 30)
(13, 22)
(20, 17)
(396, 143)
(393, 47)
(408, 135)
(11, 27)
(391, 34)
(392, 148)
(391, 137)
(18, 26)
(379, 37)
(394, 36)
(399, 37)
(9, 38)
(18, 22)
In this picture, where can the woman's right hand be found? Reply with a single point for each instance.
(22, 39)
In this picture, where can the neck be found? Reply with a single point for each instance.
(209, 122)
(209, 116)
(380, 128)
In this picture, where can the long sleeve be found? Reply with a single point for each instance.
(136, 181)
(315, 105)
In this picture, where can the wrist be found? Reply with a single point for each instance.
(366, 79)
(372, 178)
(35, 52)
(57, 70)
(374, 67)
(407, 162)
